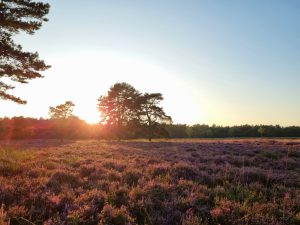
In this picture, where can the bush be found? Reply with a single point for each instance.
(114, 216)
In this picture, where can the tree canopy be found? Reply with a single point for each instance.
(150, 113)
(62, 111)
(15, 64)
(118, 107)
(125, 109)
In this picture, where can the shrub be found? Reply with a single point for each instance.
(183, 170)
(9, 168)
(114, 216)
(4, 220)
(118, 197)
(87, 206)
(227, 212)
(191, 219)
(131, 177)
(62, 178)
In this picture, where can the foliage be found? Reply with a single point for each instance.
(118, 108)
(150, 113)
(16, 64)
(214, 131)
(62, 111)
(115, 216)
(167, 183)
(26, 128)
(261, 131)
(126, 111)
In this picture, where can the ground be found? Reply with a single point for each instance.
(219, 181)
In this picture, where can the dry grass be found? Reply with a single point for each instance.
(223, 181)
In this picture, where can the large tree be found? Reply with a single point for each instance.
(15, 64)
(126, 111)
(118, 108)
(150, 113)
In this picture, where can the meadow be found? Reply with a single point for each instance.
(165, 182)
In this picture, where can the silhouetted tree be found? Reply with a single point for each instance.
(60, 115)
(150, 113)
(62, 111)
(16, 64)
(118, 108)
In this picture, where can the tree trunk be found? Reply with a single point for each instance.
(150, 134)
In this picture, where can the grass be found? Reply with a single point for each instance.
(199, 181)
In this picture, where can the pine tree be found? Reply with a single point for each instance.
(150, 113)
(62, 111)
(118, 108)
(15, 64)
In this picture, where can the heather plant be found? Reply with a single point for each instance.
(191, 219)
(115, 216)
(164, 183)
(4, 219)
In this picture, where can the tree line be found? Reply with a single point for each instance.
(75, 128)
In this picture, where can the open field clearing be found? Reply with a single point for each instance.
(225, 181)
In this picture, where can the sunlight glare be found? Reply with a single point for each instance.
(83, 77)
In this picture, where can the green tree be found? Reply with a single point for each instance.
(150, 113)
(15, 64)
(118, 108)
(62, 111)
(261, 131)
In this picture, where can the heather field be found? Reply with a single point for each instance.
(225, 181)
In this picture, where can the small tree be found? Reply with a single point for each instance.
(150, 113)
(62, 111)
(60, 114)
(261, 131)
(16, 64)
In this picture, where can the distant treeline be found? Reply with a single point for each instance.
(75, 128)
(206, 131)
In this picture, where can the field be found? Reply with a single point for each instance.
(229, 181)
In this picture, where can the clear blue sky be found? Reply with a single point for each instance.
(224, 62)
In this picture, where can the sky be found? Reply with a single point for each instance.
(215, 62)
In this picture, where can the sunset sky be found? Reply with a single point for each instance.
(215, 62)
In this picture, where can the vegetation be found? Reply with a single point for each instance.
(125, 111)
(151, 114)
(119, 108)
(188, 182)
(62, 111)
(74, 128)
(206, 131)
(197, 182)
(16, 64)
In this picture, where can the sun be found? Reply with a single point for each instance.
(83, 78)
(84, 112)
(92, 120)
